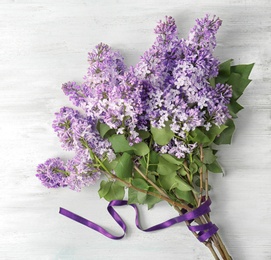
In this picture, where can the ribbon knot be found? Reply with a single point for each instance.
(204, 231)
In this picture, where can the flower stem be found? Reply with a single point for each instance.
(200, 177)
(219, 243)
(228, 257)
(129, 185)
(210, 246)
(162, 197)
(207, 243)
(151, 182)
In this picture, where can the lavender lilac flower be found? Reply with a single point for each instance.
(52, 173)
(178, 73)
(81, 171)
(78, 133)
(170, 83)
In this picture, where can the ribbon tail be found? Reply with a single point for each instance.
(205, 231)
(91, 224)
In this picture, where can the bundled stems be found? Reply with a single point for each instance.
(208, 243)
(215, 240)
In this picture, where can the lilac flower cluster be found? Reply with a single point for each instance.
(111, 93)
(170, 83)
(51, 173)
(77, 133)
(178, 73)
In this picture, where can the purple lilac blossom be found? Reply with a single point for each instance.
(178, 73)
(52, 173)
(75, 174)
(63, 126)
(82, 173)
(117, 100)
(88, 138)
(77, 132)
(111, 93)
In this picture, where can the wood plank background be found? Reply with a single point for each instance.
(44, 43)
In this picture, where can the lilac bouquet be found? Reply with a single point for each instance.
(150, 128)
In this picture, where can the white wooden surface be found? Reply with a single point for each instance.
(45, 43)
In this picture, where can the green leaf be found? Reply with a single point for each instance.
(154, 157)
(162, 136)
(154, 160)
(238, 84)
(141, 149)
(119, 143)
(124, 167)
(234, 108)
(140, 183)
(103, 129)
(111, 191)
(143, 134)
(214, 167)
(197, 160)
(214, 131)
(135, 197)
(243, 69)
(173, 181)
(168, 182)
(204, 168)
(142, 164)
(237, 77)
(172, 159)
(212, 82)
(185, 195)
(141, 197)
(132, 196)
(104, 188)
(110, 165)
(182, 185)
(199, 136)
(182, 171)
(116, 192)
(208, 156)
(224, 71)
(152, 200)
(224, 67)
(226, 136)
(193, 168)
(165, 167)
(152, 176)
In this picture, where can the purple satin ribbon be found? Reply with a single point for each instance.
(204, 231)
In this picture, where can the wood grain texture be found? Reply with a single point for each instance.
(44, 44)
